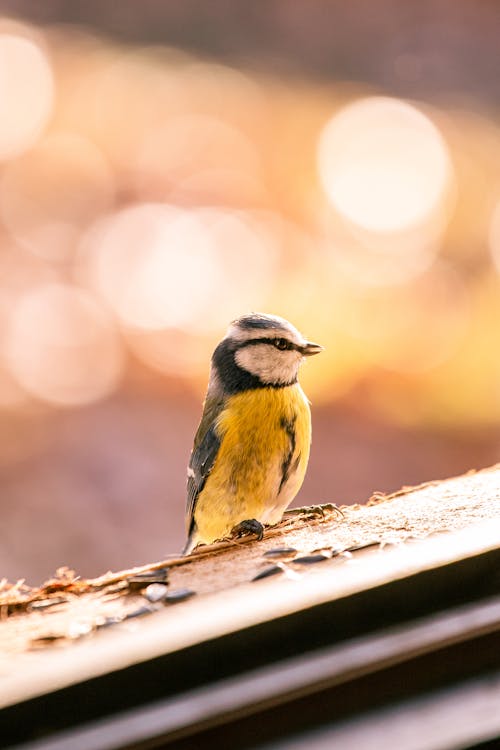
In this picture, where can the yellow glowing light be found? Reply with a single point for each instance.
(62, 347)
(381, 260)
(26, 93)
(383, 164)
(412, 328)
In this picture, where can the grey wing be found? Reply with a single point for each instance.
(206, 447)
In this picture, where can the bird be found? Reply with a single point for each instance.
(251, 448)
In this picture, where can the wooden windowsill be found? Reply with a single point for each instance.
(433, 544)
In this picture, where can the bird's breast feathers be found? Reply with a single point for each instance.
(265, 437)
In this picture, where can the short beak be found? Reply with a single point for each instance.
(308, 349)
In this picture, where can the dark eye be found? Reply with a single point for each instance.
(281, 343)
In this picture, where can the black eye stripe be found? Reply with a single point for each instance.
(271, 342)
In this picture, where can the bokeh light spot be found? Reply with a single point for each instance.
(383, 164)
(246, 254)
(62, 347)
(164, 269)
(153, 265)
(159, 266)
(50, 193)
(26, 93)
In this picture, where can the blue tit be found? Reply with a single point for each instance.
(252, 446)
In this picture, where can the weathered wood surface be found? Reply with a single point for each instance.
(89, 629)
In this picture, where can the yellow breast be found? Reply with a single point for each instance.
(265, 440)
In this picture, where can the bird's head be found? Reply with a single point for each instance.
(260, 350)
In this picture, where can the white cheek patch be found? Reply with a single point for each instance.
(269, 364)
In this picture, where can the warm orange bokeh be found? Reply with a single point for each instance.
(148, 196)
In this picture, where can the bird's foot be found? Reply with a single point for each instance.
(313, 511)
(250, 526)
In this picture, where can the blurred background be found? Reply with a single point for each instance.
(166, 167)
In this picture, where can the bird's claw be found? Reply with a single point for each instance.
(250, 526)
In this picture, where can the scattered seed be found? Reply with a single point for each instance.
(155, 592)
(357, 547)
(141, 580)
(280, 552)
(139, 612)
(272, 570)
(105, 622)
(327, 552)
(311, 559)
(179, 595)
